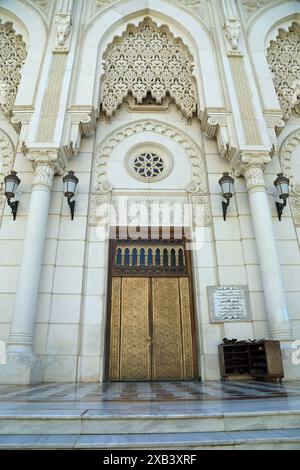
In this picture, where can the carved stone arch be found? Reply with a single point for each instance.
(7, 153)
(148, 59)
(285, 156)
(198, 183)
(283, 56)
(12, 57)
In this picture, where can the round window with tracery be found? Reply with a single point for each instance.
(148, 165)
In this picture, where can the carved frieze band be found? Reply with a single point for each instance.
(245, 102)
(155, 209)
(50, 104)
(198, 183)
(285, 156)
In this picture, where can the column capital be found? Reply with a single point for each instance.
(46, 162)
(251, 165)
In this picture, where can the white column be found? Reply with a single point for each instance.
(273, 287)
(23, 319)
(22, 366)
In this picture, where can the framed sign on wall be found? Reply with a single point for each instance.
(229, 303)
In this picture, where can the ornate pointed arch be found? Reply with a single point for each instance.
(12, 57)
(283, 56)
(148, 59)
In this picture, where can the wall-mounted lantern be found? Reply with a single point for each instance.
(12, 182)
(227, 185)
(282, 187)
(70, 182)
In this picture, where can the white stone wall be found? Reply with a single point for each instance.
(71, 312)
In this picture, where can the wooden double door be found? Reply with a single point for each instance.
(151, 328)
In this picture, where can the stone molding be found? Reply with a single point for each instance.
(7, 155)
(285, 154)
(139, 62)
(218, 123)
(81, 121)
(104, 149)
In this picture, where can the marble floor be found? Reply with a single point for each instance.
(168, 396)
(157, 415)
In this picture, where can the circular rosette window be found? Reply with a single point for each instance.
(149, 165)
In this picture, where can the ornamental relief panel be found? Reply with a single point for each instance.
(286, 154)
(196, 6)
(103, 151)
(7, 153)
(12, 57)
(283, 56)
(148, 59)
(251, 6)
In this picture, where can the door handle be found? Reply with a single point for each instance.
(149, 339)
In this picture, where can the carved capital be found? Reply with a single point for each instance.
(62, 22)
(46, 162)
(251, 165)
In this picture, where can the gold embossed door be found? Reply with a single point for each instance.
(150, 329)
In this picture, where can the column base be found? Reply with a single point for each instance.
(21, 369)
(281, 331)
(290, 352)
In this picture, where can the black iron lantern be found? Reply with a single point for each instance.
(70, 182)
(282, 187)
(12, 182)
(227, 185)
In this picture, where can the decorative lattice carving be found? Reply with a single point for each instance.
(148, 165)
(6, 156)
(283, 56)
(285, 156)
(12, 57)
(148, 59)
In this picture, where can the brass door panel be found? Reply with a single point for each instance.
(115, 323)
(186, 329)
(151, 329)
(167, 344)
(134, 338)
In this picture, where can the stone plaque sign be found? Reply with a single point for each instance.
(229, 303)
